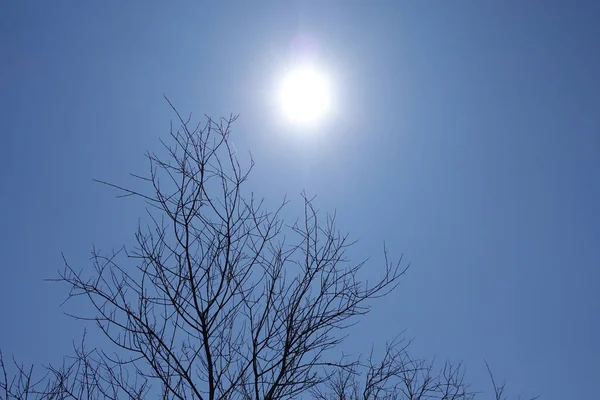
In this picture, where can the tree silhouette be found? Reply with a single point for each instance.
(220, 299)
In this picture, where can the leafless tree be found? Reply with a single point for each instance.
(87, 374)
(220, 299)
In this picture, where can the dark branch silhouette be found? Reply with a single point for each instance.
(220, 299)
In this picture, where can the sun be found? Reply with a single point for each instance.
(304, 95)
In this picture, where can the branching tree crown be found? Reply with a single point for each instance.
(220, 299)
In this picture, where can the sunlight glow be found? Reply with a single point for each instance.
(304, 96)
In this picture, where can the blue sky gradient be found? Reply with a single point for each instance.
(465, 134)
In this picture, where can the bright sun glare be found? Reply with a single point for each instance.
(304, 96)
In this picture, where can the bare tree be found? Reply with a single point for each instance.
(396, 375)
(87, 374)
(220, 299)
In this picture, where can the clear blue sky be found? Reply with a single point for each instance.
(467, 135)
